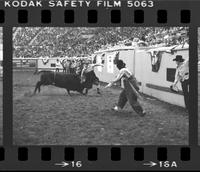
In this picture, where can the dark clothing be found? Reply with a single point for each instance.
(126, 96)
(185, 88)
(64, 70)
(72, 70)
(91, 79)
(129, 94)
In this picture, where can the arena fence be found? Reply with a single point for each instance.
(154, 68)
(35, 64)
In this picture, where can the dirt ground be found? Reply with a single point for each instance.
(54, 118)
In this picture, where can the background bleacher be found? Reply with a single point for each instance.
(81, 41)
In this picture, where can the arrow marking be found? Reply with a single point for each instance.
(62, 164)
(150, 164)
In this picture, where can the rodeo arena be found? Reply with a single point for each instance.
(99, 86)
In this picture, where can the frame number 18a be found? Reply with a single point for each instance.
(167, 164)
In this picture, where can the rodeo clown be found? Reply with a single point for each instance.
(182, 76)
(88, 69)
(130, 91)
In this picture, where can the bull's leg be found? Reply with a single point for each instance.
(81, 92)
(86, 91)
(37, 87)
(98, 88)
(98, 91)
(68, 91)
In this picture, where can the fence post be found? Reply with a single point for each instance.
(36, 65)
(21, 63)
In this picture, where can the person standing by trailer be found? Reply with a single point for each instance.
(182, 76)
(67, 66)
(57, 65)
(63, 63)
(130, 91)
(73, 66)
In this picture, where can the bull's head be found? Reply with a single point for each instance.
(90, 79)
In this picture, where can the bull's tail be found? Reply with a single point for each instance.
(36, 72)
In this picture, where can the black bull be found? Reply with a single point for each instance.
(67, 81)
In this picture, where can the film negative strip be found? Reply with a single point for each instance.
(99, 85)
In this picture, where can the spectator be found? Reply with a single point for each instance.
(182, 76)
(38, 41)
(57, 65)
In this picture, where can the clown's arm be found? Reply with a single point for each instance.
(119, 76)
